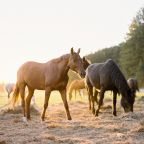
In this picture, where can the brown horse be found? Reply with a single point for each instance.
(75, 86)
(49, 76)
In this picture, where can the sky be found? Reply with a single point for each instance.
(40, 30)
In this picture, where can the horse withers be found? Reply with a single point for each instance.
(107, 76)
(49, 76)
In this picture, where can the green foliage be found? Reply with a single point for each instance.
(130, 54)
(103, 55)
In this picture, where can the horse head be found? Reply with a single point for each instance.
(127, 101)
(86, 63)
(75, 63)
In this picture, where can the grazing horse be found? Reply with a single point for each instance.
(107, 76)
(78, 84)
(9, 87)
(49, 76)
(133, 84)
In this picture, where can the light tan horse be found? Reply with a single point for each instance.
(9, 87)
(75, 85)
(49, 76)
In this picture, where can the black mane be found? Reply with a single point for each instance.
(117, 76)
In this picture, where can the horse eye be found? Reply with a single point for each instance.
(74, 60)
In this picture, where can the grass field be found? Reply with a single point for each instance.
(55, 97)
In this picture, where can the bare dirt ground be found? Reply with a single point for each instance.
(126, 128)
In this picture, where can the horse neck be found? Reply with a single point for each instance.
(63, 64)
(119, 80)
(123, 89)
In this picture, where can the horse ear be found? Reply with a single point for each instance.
(84, 59)
(78, 51)
(72, 51)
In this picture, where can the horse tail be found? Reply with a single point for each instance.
(15, 95)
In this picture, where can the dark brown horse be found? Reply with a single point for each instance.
(86, 63)
(49, 76)
(133, 85)
(108, 76)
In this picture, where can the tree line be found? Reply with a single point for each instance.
(129, 55)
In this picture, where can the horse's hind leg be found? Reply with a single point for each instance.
(114, 102)
(102, 91)
(70, 95)
(80, 93)
(28, 101)
(22, 94)
(89, 97)
(95, 95)
(8, 95)
(47, 95)
(63, 95)
(75, 93)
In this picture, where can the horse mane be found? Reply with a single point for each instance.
(117, 76)
(59, 59)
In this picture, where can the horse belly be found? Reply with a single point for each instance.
(106, 82)
(36, 82)
(60, 85)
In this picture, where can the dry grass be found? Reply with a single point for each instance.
(126, 128)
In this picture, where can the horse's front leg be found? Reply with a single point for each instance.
(47, 95)
(102, 91)
(114, 102)
(92, 99)
(64, 99)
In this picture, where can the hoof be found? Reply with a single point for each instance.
(28, 118)
(24, 119)
(69, 118)
(96, 114)
(114, 113)
(42, 118)
(93, 111)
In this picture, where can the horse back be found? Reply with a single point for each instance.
(99, 74)
(41, 75)
(93, 74)
(32, 74)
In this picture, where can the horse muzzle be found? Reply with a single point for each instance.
(129, 109)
